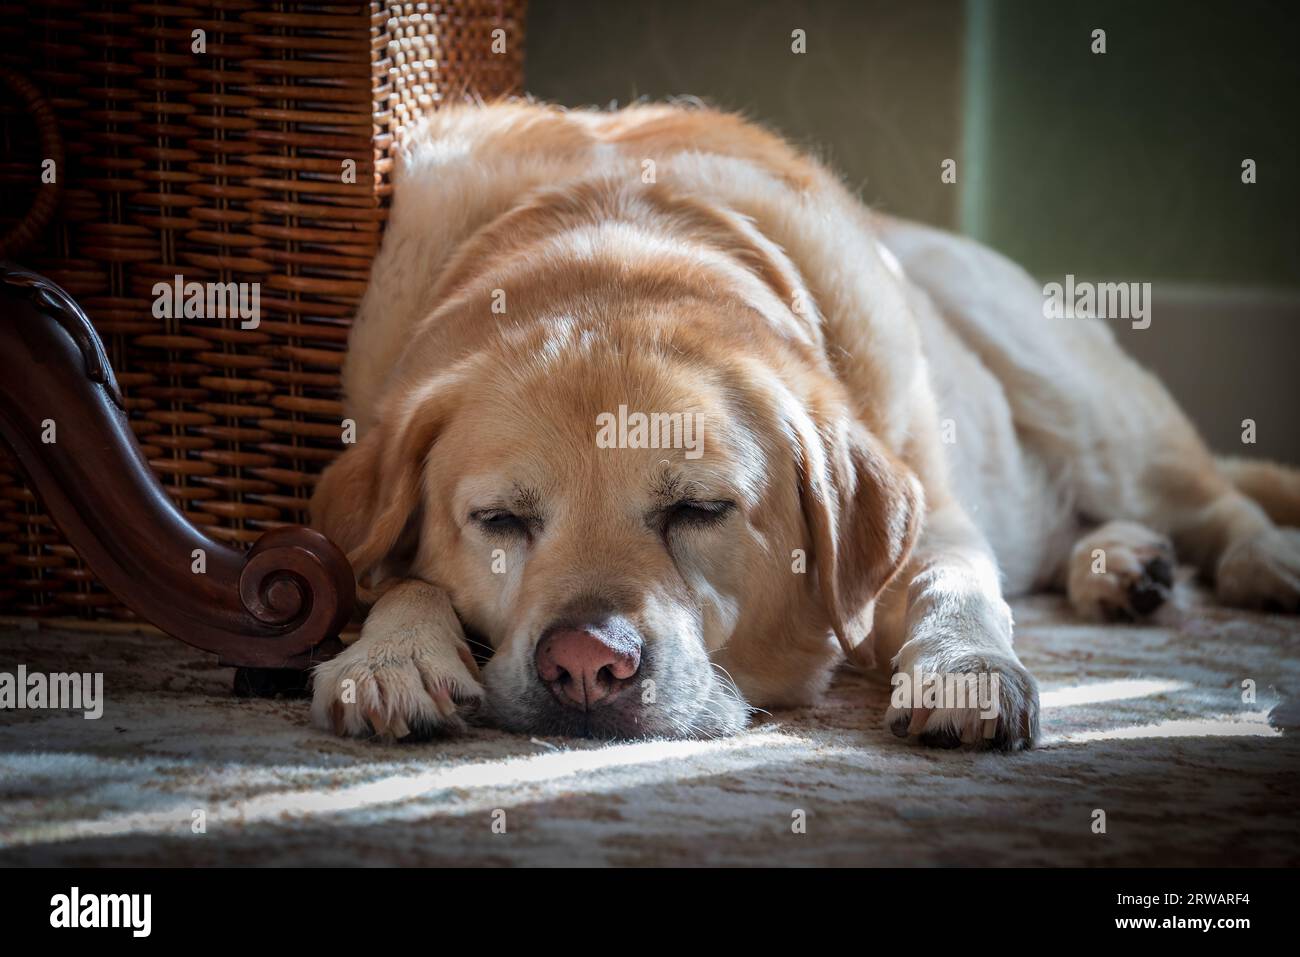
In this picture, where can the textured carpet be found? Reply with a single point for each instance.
(1145, 723)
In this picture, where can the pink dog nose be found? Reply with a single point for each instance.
(585, 669)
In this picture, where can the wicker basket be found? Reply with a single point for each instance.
(225, 165)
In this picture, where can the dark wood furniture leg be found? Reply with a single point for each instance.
(271, 611)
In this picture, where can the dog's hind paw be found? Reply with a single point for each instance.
(1262, 572)
(1121, 571)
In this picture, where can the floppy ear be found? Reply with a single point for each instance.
(864, 512)
(366, 499)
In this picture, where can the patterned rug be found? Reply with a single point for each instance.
(1152, 726)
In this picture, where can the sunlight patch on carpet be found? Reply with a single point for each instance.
(1247, 724)
(459, 790)
(1101, 691)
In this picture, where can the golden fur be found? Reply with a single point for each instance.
(542, 268)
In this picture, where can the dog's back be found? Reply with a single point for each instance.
(1051, 408)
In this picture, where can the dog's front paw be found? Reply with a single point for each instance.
(1262, 572)
(946, 699)
(393, 692)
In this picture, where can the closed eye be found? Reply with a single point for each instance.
(500, 523)
(696, 514)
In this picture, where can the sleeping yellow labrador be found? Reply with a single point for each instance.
(649, 402)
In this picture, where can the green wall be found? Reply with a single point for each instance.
(1128, 164)
(877, 94)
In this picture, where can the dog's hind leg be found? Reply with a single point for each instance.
(1273, 487)
(1145, 462)
(1101, 422)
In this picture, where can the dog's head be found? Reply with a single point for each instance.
(611, 516)
(614, 492)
